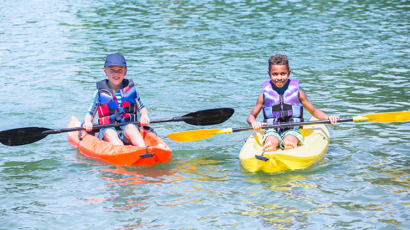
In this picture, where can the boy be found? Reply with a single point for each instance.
(117, 100)
(282, 101)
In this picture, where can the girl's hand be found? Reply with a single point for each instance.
(144, 120)
(257, 125)
(333, 119)
(88, 126)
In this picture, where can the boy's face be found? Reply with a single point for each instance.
(115, 74)
(279, 75)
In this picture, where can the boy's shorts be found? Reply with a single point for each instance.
(121, 136)
(273, 132)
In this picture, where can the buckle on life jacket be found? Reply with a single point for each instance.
(282, 114)
(117, 115)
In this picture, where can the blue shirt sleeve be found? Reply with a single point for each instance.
(92, 109)
(140, 104)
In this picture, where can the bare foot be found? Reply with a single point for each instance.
(268, 147)
(289, 145)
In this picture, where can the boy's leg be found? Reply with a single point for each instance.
(132, 133)
(111, 136)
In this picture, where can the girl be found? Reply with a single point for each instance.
(282, 101)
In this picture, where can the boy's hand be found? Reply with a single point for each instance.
(88, 126)
(144, 120)
(333, 119)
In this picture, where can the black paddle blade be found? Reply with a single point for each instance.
(209, 116)
(22, 136)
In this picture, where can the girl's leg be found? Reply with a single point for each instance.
(290, 141)
(271, 143)
(111, 136)
(132, 133)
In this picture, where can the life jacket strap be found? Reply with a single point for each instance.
(80, 138)
(117, 115)
(282, 114)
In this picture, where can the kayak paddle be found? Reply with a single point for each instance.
(23, 136)
(196, 135)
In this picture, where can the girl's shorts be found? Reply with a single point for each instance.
(121, 136)
(273, 132)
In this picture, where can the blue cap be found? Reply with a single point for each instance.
(115, 60)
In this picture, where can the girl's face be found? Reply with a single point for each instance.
(279, 75)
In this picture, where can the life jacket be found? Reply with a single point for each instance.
(286, 108)
(109, 111)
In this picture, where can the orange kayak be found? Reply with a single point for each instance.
(156, 152)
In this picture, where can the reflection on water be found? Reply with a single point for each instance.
(388, 177)
(123, 180)
(279, 217)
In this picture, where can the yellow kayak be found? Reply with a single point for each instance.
(316, 141)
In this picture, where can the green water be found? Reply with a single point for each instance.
(351, 57)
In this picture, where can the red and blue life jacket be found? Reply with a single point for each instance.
(109, 111)
(282, 108)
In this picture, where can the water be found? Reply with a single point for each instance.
(352, 58)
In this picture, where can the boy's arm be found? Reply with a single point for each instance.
(144, 120)
(254, 113)
(319, 114)
(89, 117)
(144, 117)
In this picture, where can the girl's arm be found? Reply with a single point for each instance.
(313, 110)
(254, 113)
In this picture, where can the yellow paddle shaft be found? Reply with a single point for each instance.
(196, 135)
(360, 119)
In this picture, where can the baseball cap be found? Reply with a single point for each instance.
(115, 60)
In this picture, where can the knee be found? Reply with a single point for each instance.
(111, 135)
(131, 128)
(131, 131)
(291, 138)
(272, 139)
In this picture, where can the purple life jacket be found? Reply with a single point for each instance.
(285, 108)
